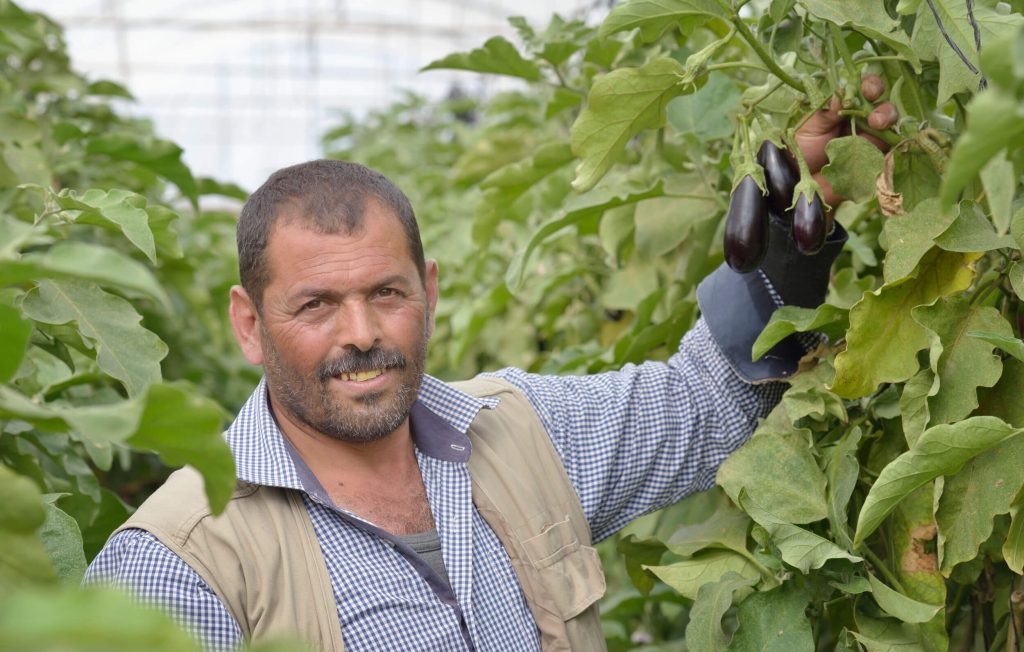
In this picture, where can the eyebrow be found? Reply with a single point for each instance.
(329, 293)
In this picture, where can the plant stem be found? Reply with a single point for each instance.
(883, 569)
(844, 52)
(764, 55)
(888, 137)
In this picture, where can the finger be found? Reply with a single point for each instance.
(883, 116)
(871, 87)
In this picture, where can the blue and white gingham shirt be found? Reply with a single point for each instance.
(632, 441)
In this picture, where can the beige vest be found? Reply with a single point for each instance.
(262, 559)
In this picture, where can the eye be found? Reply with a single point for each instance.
(312, 305)
(387, 292)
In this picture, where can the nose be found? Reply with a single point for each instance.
(357, 326)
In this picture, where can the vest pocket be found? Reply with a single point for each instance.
(570, 571)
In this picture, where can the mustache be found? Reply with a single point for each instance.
(356, 360)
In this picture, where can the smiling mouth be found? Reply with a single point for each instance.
(360, 376)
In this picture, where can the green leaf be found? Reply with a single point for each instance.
(124, 349)
(1013, 547)
(620, 105)
(497, 57)
(800, 548)
(883, 339)
(1016, 276)
(972, 231)
(84, 260)
(43, 621)
(961, 363)
(623, 286)
(16, 333)
(704, 630)
(580, 208)
(1000, 183)
(663, 223)
(185, 428)
(779, 473)
(160, 156)
(63, 542)
(930, 43)
(841, 473)
(726, 528)
(971, 499)
(853, 166)
(900, 606)
(639, 553)
(785, 321)
(705, 114)
(886, 635)
(863, 16)
(688, 575)
(996, 121)
(807, 395)
(774, 620)
(508, 183)
(941, 450)
(914, 404)
(1003, 400)
(909, 237)
(653, 17)
(108, 88)
(118, 209)
(23, 559)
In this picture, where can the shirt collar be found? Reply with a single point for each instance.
(440, 419)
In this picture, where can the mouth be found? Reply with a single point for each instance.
(360, 376)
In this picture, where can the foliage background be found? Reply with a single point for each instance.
(572, 220)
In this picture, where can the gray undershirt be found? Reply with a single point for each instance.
(428, 546)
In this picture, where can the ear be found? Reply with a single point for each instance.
(245, 321)
(430, 281)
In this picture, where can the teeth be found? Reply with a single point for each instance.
(360, 376)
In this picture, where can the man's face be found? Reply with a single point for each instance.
(344, 327)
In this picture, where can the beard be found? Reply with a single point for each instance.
(375, 415)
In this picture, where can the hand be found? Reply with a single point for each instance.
(827, 124)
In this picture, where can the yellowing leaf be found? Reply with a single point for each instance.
(941, 450)
(883, 340)
(620, 105)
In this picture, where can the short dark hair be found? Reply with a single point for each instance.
(330, 197)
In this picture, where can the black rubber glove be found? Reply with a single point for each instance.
(737, 306)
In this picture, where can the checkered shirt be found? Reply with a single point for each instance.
(632, 441)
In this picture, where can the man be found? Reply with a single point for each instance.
(381, 509)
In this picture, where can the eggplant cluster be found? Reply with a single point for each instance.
(746, 224)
